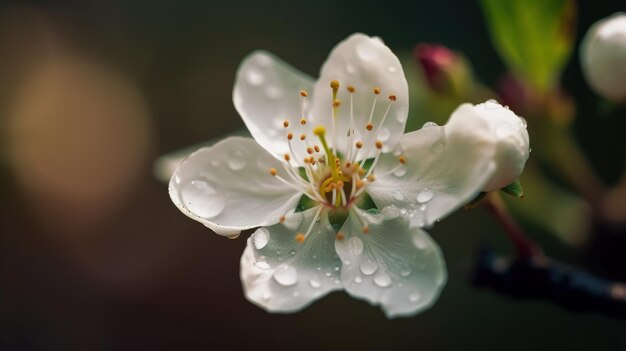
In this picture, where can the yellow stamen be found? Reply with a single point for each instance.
(300, 238)
(309, 150)
(317, 148)
(290, 136)
(392, 98)
(402, 159)
(302, 136)
(336, 103)
(379, 144)
(273, 171)
(366, 230)
(303, 93)
(358, 144)
(302, 121)
(339, 236)
(369, 126)
(376, 91)
(287, 157)
(351, 89)
(285, 123)
(371, 178)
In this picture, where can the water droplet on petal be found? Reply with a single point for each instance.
(266, 295)
(367, 51)
(398, 196)
(420, 242)
(358, 279)
(422, 207)
(262, 264)
(399, 171)
(390, 212)
(261, 238)
(401, 116)
(355, 245)
(414, 297)
(255, 77)
(425, 195)
(383, 134)
(286, 275)
(392, 69)
(382, 280)
(292, 222)
(237, 162)
(202, 198)
(429, 124)
(491, 104)
(523, 122)
(437, 147)
(405, 272)
(315, 283)
(368, 267)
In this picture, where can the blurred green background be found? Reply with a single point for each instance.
(93, 254)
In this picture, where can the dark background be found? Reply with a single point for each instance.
(93, 254)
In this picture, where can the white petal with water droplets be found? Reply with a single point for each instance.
(266, 93)
(363, 62)
(399, 267)
(224, 187)
(291, 275)
(446, 167)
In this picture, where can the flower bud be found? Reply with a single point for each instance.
(507, 131)
(603, 57)
(445, 71)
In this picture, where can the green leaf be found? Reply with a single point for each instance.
(514, 189)
(533, 37)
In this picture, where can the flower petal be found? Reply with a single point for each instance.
(396, 266)
(266, 93)
(228, 187)
(281, 275)
(446, 167)
(365, 63)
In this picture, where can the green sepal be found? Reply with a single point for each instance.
(305, 203)
(514, 189)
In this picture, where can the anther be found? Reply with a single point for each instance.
(290, 136)
(392, 98)
(359, 184)
(348, 164)
(361, 171)
(351, 89)
(303, 93)
(339, 236)
(402, 159)
(339, 184)
(336, 103)
(302, 121)
(302, 136)
(358, 144)
(285, 123)
(287, 157)
(366, 229)
(369, 126)
(282, 219)
(317, 148)
(309, 150)
(273, 171)
(300, 238)
(376, 91)
(371, 178)
(319, 131)
(334, 84)
(379, 144)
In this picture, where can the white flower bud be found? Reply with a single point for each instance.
(603, 57)
(507, 131)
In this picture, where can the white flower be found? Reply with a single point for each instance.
(603, 57)
(509, 133)
(339, 143)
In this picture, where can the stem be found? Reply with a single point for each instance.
(523, 245)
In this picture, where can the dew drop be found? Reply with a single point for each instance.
(383, 134)
(420, 242)
(437, 147)
(255, 77)
(286, 275)
(237, 162)
(414, 297)
(424, 195)
(261, 238)
(266, 295)
(368, 267)
(366, 52)
(202, 198)
(492, 104)
(337, 269)
(523, 121)
(503, 130)
(392, 69)
(355, 245)
(405, 272)
(390, 212)
(429, 125)
(358, 279)
(422, 207)
(315, 283)
(262, 264)
(401, 117)
(399, 171)
(382, 280)
(398, 196)
(328, 274)
(293, 222)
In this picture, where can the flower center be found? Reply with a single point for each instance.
(331, 178)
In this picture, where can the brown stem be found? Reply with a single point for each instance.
(523, 245)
